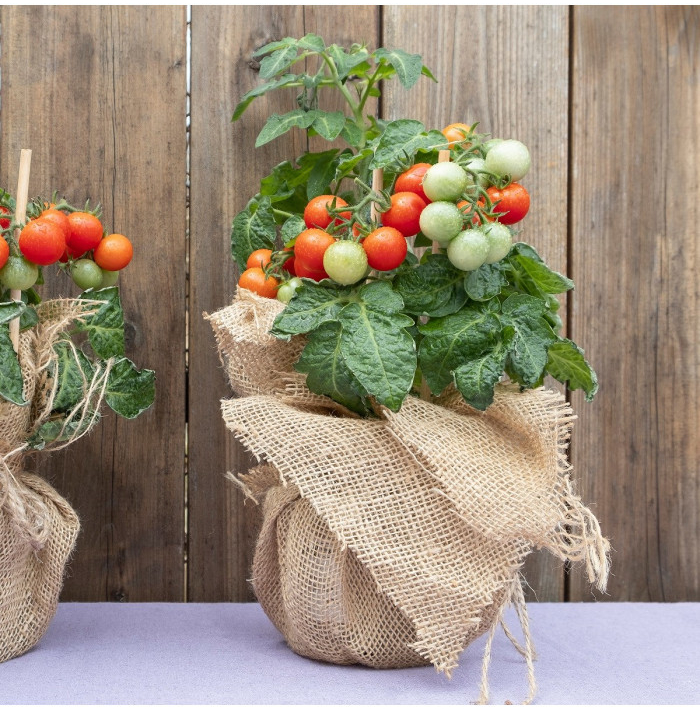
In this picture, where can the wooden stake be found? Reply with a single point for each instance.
(377, 186)
(25, 161)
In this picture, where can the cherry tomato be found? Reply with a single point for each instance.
(445, 181)
(18, 273)
(386, 248)
(316, 211)
(4, 223)
(404, 213)
(85, 231)
(303, 272)
(114, 252)
(288, 265)
(287, 290)
(259, 257)
(109, 278)
(455, 134)
(509, 157)
(86, 273)
(42, 242)
(309, 248)
(499, 239)
(345, 262)
(441, 222)
(412, 179)
(468, 250)
(254, 279)
(466, 207)
(4, 252)
(514, 200)
(60, 219)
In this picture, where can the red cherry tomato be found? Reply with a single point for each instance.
(309, 248)
(386, 248)
(513, 200)
(303, 272)
(42, 242)
(412, 180)
(4, 223)
(316, 211)
(404, 213)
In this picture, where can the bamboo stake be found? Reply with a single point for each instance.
(377, 186)
(25, 161)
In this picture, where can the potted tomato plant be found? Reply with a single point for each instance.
(59, 360)
(388, 311)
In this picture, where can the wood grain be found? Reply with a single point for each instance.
(99, 96)
(635, 189)
(506, 67)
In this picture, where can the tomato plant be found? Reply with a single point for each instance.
(376, 309)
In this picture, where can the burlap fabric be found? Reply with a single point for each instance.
(38, 528)
(397, 541)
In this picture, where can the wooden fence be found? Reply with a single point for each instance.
(607, 99)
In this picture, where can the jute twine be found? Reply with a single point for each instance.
(397, 541)
(38, 528)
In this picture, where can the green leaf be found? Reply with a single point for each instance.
(75, 372)
(311, 306)
(274, 46)
(105, 328)
(28, 318)
(130, 391)
(435, 288)
(351, 133)
(277, 62)
(532, 337)
(327, 373)
(426, 72)
(321, 174)
(408, 66)
(403, 138)
(251, 95)
(292, 228)
(56, 429)
(566, 363)
(379, 352)
(379, 296)
(311, 42)
(252, 230)
(477, 379)
(278, 125)
(11, 310)
(328, 125)
(486, 281)
(452, 341)
(345, 62)
(348, 161)
(10, 373)
(546, 280)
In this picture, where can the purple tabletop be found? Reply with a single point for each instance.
(158, 653)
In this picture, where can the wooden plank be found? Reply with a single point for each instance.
(226, 171)
(506, 67)
(102, 105)
(636, 128)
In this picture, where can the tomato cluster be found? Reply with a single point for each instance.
(60, 233)
(466, 206)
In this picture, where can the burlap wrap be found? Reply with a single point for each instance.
(398, 541)
(38, 528)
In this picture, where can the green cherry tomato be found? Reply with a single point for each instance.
(345, 262)
(477, 164)
(468, 250)
(18, 273)
(109, 278)
(86, 274)
(509, 157)
(445, 181)
(490, 143)
(441, 221)
(499, 240)
(287, 290)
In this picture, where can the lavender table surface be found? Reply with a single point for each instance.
(158, 653)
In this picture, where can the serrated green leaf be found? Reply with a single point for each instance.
(351, 133)
(422, 241)
(321, 175)
(408, 66)
(105, 328)
(329, 124)
(277, 62)
(345, 62)
(380, 296)
(130, 391)
(566, 363)
(311, 306)
(278, 125)
(251, 231)
(379, 352)
(348, 161)
(260, 90)
(426, 72)
(292, 228)
(327, 373)
(403, 138)
(10, 373)
(452, 341)
(477, 378)
(545, 279)
(532, 337)
(485, 282)
(28, 318)
(311, 42)
(11, 310)
(74, 374)
(435, 288)
(58, 430)
(274, 46)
